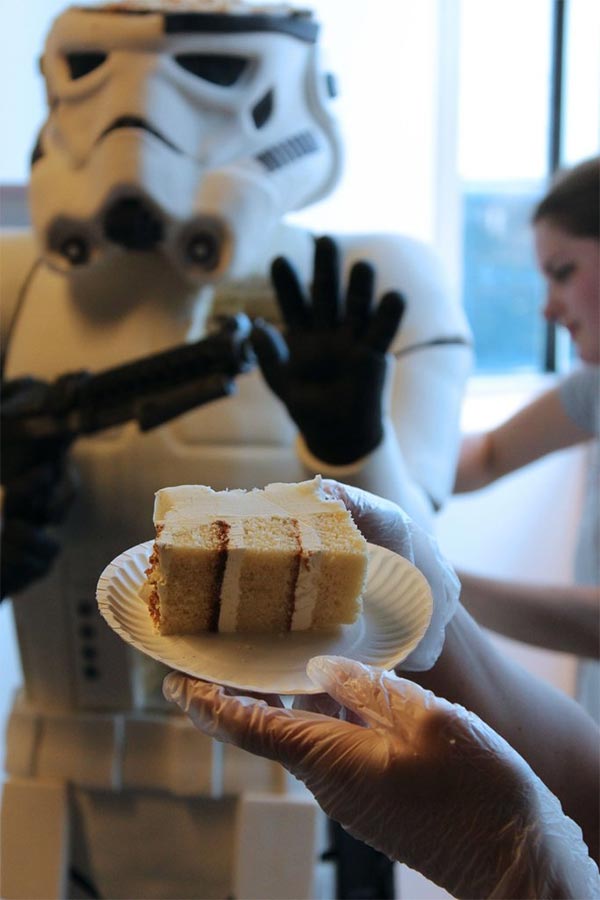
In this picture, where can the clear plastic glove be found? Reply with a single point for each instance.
(385, 524)
(422, 780)
(329, 366)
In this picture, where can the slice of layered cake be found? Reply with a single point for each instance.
(284, 558)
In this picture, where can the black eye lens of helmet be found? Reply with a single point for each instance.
(216, 68)
(81, 64)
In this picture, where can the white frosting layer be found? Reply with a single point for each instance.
(308, 578)
(230, 589)
(198, 504)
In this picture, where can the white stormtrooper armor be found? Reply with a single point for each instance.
(204, 135)
(179, 135)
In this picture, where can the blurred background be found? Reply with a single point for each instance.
(455, 113)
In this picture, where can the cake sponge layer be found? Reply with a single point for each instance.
(284, 558)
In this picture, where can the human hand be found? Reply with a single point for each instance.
(329, 366)
(387, 525)
(420, 779)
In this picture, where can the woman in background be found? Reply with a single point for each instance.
(566, 225)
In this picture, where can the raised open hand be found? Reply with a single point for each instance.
(329, 365)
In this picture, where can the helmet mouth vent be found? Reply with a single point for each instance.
(131, 223)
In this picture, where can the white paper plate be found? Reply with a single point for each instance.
(397, 607)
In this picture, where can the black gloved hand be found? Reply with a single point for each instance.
(30, 433)
(36, 481)
(27, 555)
(329, 365)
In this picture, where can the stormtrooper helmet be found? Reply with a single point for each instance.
(186, 128)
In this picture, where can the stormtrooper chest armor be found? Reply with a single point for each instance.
(239, 441)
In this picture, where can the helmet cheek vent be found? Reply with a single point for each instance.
(131, 223)
(263, 110)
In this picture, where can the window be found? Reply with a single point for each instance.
(503, 114)
(510, 56)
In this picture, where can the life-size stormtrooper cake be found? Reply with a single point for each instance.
(178, 137)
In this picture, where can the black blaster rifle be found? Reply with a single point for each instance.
(150, 391)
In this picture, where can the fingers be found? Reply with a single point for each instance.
(377, 697)
(380, 521)
(305, 742)
(318, 703)
(325, 286)
(385, 322)
(376, 327)
(272, 354)
(322, 311)
(359, 298)
(283, 735)
(325, 705)
(232, 719)
(290, 295)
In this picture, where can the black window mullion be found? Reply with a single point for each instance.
(555, 137)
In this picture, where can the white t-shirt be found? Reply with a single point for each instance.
(580, 395)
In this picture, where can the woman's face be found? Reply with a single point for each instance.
(571, 266)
